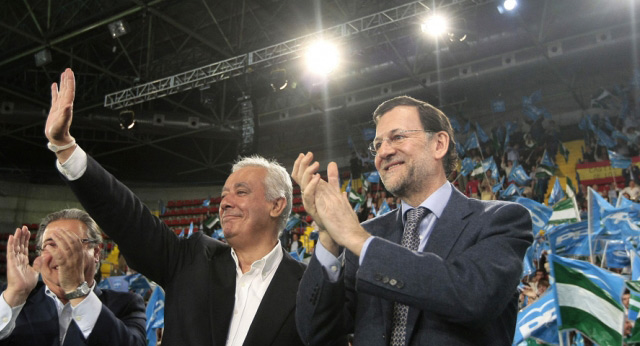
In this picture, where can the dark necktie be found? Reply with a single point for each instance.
(410, 240)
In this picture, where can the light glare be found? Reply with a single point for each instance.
(435, 25)
(322, 57)
(509, 5)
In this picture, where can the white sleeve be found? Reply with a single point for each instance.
(75, 166)
(331, 264)
(86, 314)
(8, 316)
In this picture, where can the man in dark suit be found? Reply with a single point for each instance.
(240, 293)
(66, 308)
(441, 270)
(631, 173)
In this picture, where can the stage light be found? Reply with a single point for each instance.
(279, 79)
(435, 25)
(322, 57)
(127, 119)
(118, 28)
(42, 57)
(507, 6)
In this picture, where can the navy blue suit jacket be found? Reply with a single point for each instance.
(122, 321)
(461, 290)
(197, 273)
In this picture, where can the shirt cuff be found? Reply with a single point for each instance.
(86, 314)
(8, 316)
(75, 166)
(365, 246)
(332, 265)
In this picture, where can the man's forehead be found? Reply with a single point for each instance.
(75, 226)
(247, 176)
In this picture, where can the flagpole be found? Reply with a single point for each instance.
(561, 338)
(604, 251)
(589, 223)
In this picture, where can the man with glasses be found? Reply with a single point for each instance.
(66, 307)
(442, 269)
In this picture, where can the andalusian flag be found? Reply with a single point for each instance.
(589, 300)
(565, 211)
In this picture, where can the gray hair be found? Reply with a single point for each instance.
(93, 230)
(277, 183)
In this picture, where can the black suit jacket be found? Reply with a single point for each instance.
(122, 321)
(461, 290)
(198, 273)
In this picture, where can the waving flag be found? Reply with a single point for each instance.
(539, 320)
(564, 151)
(565, 211)
(190, 230)
(155, 315)
(511, 190)
(570, 239)
(589, 300)
(498, 186)
(618, 161)
(467, 166)
(540, 213)
(472, 142)
(518, 175)
(616, 254)
(481, 134)
(556, 193)
(455, 124)
(384, 208)
(604, 139)
(460, 149)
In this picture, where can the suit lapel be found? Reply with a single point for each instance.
(42, 318)
(278, 303)
(222, 280)
(443, 237)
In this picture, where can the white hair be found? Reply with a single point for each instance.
(277, 183)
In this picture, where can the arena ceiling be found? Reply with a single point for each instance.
(184, 68)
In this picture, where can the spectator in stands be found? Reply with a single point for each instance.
(473, 187)
(66, 307)
(601, 154)
(632, 190)
(513, 152)
(243, 292)
(625, 298)
(631, 173)
(587, 154)
(295, 243)
(612, 194)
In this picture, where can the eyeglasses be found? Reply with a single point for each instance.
(53, 244)
(395, 139)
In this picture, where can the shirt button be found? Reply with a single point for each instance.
(242, 285)
(78, 318)
(5, 320)
(235, 312)
(334, 268)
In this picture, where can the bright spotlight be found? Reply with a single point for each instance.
(322, 57)
(435, 25)
(509, 5)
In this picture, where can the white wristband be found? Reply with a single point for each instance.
(56, 148)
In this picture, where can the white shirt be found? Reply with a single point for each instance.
(250, 286)
(84, 314)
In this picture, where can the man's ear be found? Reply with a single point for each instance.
(442, 144)
(278, 206)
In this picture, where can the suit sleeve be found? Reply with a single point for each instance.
(122, 321)
(475, 282)
(323, 316)
(129, 223)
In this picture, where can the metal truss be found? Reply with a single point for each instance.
(264, 57)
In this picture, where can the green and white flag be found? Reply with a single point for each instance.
(212, 221)
(566, 210)
(356, 198)
(589, 300)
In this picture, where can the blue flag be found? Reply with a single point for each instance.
(466, 128)
(460, 149)
(467, 166)
(472, 142)
(616, 255)
(618, 161)
(528, 268)
(540, 213)
(511, 190)
(295, 256)
(384, 208)
(181, 235)
(490, 164)
(498, 186)
(155, 315)
(570, 239)
(455, 124)
(293, 221)
(190, 230)
(481, 134)
(539, 320)
(206, 202)
(372, 177)
(556, 193)
(604, 139)
(518, 175)
(546, 160)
